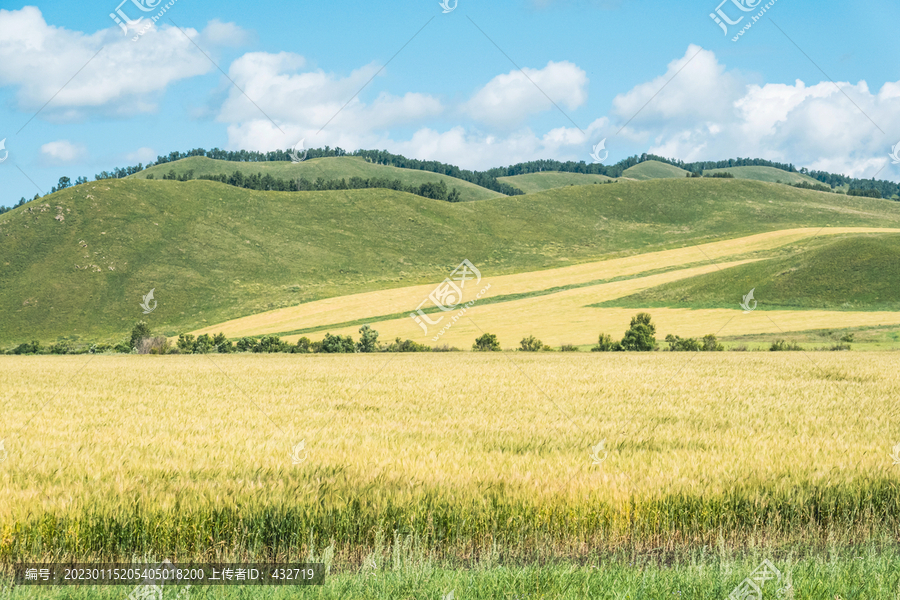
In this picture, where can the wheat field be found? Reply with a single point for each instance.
(541, 455)
(682, 261)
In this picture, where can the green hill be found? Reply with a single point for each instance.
(214, 252)
(769, 174)
(547, 180)
(653, 169)
(855, 273)
(341, 167)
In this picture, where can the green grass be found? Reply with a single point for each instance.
(342, 167)
(214, 252)
(767, 174)
(547, 180)
(857, 574)
(858, 273)
(652, 169)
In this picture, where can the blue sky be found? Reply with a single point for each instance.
(684, 88)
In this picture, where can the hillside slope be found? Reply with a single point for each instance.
(653, 169)
(340, 167)
(859, 273)
(768, 174)
(548, 180)
(214, 252)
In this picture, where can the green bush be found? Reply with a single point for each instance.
(406, 346)
(140, 331)
(246, 344)
(605, 344)
(368, 340)
(568, 348)
(640, 336)
(221, 344)
(707, 344)
(203, 345)
(270, 344)
(302, 346)
(531, 344)
(186, 343)
(486, 343)
(60, 348)
(338, 344)
(782, 346)
(711, 344)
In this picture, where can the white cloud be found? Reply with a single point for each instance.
(141, 155)
(126, 77)
(62, 152)
(709, 113)
(301, 104)
(507, 100)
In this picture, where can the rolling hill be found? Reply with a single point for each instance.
(342, 167)
(77, 263)
(859, 273)
(547, 180)
(769, 174)
(652, 169)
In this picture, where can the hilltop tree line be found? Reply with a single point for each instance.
(489, 179)
(258, 181)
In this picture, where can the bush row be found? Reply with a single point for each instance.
(640, 337)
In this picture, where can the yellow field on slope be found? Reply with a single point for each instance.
(403, 300)
(567, 318)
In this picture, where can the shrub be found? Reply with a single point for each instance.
(406, 346)
(486, 343)
(60, 348)
(124, 347)
(847, 338)
(154, 345)
(678, 344)
(186, 343)
(338, 344)
(140, 331)
(246, 344)
(568, 348)
(782, 346)
(531, 344)
(640, 336)
(446, 348)
(302, 346)
(368, 340)
(271, 343)
(604, 344)
(221, 344)
(711, 344)
(203, 345)
(840, 347)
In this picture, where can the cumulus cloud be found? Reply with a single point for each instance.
(707, 112)
(62, 152)
(507, 100)
(114, 73)
(472, 149)
(141, 155)
(301, 104)
(313, 105)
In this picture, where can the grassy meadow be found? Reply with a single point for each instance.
(214, 253)
(548, 180)
(340, 167)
